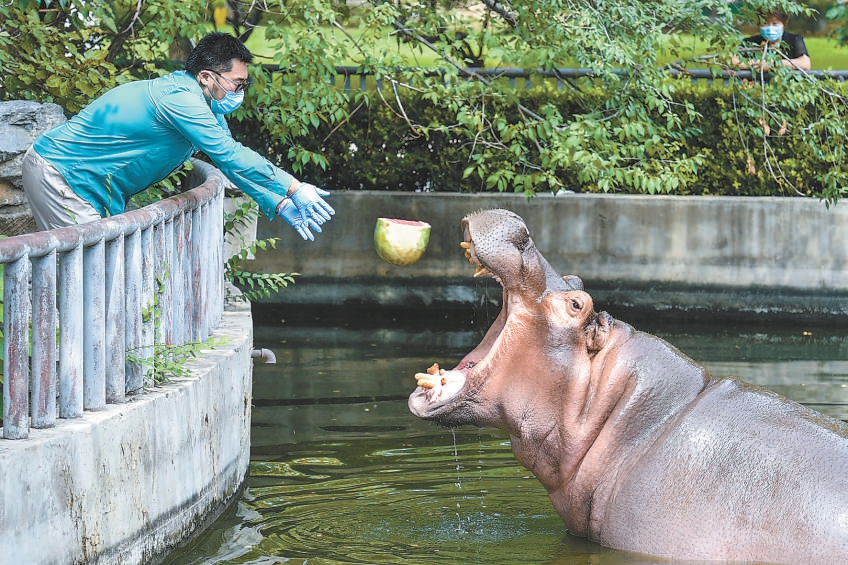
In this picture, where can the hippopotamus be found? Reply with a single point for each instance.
(638, 446)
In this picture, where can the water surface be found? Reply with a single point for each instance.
(342, 473)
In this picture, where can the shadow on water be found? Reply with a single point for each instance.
(342, 473)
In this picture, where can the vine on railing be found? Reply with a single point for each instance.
(252, 285)
(167, 360)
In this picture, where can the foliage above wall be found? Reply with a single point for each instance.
(629, 129)
(373, 152)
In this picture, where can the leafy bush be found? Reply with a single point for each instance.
(443, 126)
(738, 156)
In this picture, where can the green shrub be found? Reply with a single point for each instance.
(374, 150)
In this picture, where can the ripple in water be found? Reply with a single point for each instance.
(415, 503)
(342, 474)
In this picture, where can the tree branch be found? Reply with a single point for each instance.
(503, 11)
(125, 33)
(470, 73)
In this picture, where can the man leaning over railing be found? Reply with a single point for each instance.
(136, 134)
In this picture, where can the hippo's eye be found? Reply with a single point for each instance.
(575, 304)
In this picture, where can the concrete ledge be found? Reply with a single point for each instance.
(128, 483)
(730, 256)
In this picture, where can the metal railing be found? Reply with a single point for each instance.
(563, 75)
(78, 299)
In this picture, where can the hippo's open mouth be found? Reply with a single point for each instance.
(498, 244)
(438, 387)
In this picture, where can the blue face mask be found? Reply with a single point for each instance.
(229, 103)
(772, 32)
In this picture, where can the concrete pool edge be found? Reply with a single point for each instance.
(730, 255)
(129, 483)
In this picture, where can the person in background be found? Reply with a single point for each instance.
(773, 32)
(137, 133)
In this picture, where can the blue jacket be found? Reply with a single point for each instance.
(136, 134)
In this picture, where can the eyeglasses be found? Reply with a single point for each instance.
(239, 86)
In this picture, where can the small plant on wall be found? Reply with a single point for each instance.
(252, 285)
(163, 361)
(169, 361)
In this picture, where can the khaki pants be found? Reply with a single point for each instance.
(53, 203)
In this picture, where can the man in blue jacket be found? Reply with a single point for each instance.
(136, 134)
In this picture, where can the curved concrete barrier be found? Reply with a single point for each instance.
(128, 483)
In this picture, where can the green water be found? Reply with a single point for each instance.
(342, 473)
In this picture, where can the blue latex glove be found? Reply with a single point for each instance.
(289, 212)
(308, 199)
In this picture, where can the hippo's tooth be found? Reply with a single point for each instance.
(467, 254)
(481, 270)
(426, 380)
(465, 245)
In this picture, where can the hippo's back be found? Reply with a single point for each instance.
(742, 474)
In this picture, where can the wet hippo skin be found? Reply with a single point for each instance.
(638, 446)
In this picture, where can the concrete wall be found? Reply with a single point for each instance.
(656, 254)
(126, 484)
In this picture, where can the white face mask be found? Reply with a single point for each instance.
(229, 103)
(773, 32)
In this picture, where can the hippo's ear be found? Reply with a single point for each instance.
(574, 282)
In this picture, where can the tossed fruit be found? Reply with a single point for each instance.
(401, 242)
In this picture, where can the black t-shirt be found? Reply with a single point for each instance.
(791, 44)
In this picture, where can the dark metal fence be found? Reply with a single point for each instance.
(352, 77)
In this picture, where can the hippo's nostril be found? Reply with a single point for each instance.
(469, 365)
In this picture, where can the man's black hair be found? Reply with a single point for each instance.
(216, 52)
